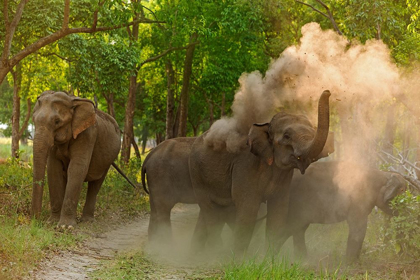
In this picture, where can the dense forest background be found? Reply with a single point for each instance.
(171, 68)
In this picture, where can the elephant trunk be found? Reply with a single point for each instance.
(43, 141)
(323, 127)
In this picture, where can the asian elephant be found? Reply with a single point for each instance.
(261, 173)
(76, 143)
(168, 178)
(321, 197)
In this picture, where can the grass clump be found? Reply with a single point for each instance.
(275, 267)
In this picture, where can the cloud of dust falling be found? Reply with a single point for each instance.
(358, 76)
(363, 79)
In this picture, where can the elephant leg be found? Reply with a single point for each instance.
(246, 216)
(160, 229)
(199, 237)
(299, 242)
(76, 175)
(230, 217)
(56, 186)
(92, 192)
(357, 232)
(277, 211)
(208, 228)
(215, 222)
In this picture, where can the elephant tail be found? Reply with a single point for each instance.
(143, 177)
(122, 174)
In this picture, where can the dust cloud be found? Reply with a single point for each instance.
(364, 81)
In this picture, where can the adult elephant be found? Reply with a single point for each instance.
(246, 178)
(77, 143)
(168, 178)
(332, 192)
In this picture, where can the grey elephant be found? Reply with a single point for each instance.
(76, 143)
(327, 194)
(168, 178)
(261, 173)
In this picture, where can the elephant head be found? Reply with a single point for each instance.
(290, 141)
(395, 185)
(58, 118)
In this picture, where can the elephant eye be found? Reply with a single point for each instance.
(57, 121)
(286, 136)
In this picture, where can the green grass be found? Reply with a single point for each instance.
(24, 242)
(276, 268)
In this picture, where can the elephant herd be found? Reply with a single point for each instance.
(76, 143)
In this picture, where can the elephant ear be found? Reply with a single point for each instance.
(84, 116)
(328, 147)
(260, 143)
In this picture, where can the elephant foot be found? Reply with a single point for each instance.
(87, 219)
(53, 219)
(67, 223)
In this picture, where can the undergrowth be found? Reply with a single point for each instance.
(24, 242)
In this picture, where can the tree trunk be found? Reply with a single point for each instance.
(110, 104)
(222, 109)
(170, 100)
(129, 119)
(211, 112)
(144, 136)
(159, 138)
(182, 132)
(176, 123)
(136, 147)
(17, 79)
(131, 103)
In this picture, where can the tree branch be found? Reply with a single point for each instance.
(63, 33)
(329, 16)
(66, 14)
(165, 53)
(27, 117)
(313, 8)
(10, 32)
(6, 14)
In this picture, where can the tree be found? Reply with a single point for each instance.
(104, 16)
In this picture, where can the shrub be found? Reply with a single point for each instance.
(404, 229)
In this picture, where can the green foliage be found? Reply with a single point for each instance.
(404, 228)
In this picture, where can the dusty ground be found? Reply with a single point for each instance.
(176, 263)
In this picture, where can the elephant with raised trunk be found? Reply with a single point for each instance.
(262, 173)
(76, 143)
(321, 196)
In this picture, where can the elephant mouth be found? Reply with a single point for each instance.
(299, 163)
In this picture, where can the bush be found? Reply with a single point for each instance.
(404, 229)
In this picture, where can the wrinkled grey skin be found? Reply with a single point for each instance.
(245, 179)
(77, 143)
(317, 197)
(168, 180)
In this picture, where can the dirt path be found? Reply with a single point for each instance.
(78, 263)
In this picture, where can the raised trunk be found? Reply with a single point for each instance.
(323, 126)
(43, 141)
